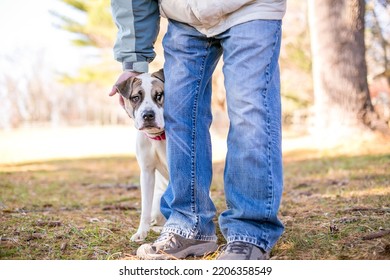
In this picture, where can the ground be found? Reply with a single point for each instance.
(336, 204)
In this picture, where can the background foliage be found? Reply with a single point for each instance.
(81, 97)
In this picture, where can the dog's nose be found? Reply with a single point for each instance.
(148, 115)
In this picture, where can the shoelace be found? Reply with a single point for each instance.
(169, 241)
(239, 248)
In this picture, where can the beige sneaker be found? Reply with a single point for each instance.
(172, 246)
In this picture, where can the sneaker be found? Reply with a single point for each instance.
(172, 246)
(238, 250)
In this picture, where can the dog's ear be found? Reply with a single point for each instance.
(125, 87)
(159, 75)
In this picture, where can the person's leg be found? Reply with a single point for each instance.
(190, 59)
(253, 172)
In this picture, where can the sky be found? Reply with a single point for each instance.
(27, 28)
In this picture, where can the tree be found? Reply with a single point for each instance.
(96, 29)
(378, 35)
(91, 23)
(341, 94)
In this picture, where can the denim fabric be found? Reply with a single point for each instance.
(253, 175)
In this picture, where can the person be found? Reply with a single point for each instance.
(247, 33)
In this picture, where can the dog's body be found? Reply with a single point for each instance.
(143, 99)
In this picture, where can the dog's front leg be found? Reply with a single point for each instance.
(147, 181)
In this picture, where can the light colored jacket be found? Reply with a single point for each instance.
(212, 17)
(138, 22)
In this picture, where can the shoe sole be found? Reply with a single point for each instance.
(194, 250)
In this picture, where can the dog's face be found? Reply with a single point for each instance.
(144, 99)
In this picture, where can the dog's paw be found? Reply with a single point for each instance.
(158, 220)
(139, 236)
(157, 229)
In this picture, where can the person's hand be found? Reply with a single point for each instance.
(124, 76)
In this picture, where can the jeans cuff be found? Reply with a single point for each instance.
(249, 239)
(189, 235)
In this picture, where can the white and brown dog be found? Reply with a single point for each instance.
(143, 101)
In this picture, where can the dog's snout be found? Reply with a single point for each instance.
(148, 115)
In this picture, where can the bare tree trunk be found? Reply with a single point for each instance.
(382, 42)
(341, 94)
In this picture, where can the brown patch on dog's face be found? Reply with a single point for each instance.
(136, 96)
(125, 87)
(158, 93)
(131, 89)
(159, 75)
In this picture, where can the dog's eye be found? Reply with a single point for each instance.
(159, 97)
(134, 99)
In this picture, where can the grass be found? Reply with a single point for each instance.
(334, 207)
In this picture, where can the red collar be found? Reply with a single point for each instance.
(158, 137)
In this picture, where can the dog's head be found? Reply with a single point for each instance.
(144, 99)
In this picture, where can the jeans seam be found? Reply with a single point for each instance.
(271, 197)
(193, 144)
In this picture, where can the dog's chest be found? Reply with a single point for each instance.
(152, 154)
(159, 147)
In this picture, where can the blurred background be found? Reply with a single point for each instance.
(57, 67)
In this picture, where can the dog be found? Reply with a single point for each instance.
(143, 101)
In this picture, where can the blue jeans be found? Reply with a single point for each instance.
(253, 177)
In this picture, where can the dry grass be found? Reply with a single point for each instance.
(336, 205)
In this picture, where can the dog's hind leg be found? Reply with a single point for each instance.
(160, 186)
